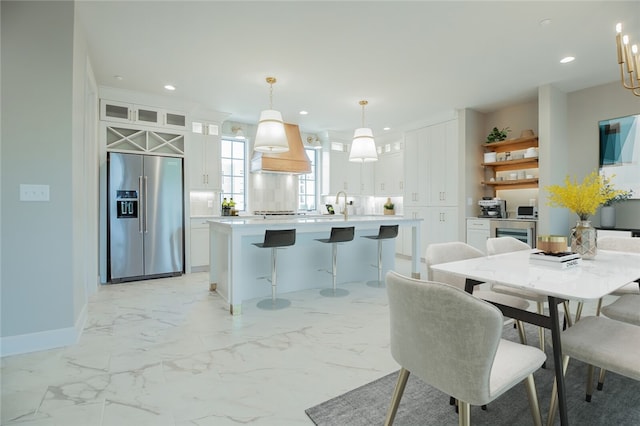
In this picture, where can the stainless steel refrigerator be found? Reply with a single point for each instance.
(146, 217)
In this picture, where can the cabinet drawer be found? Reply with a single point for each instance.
(199, 223)
(479, 224)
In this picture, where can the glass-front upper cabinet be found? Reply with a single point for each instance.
(124, 112)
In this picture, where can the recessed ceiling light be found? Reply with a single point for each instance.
(118, 77)
(170, 87)
(567, 59)
(545, 22)
(386, 128)
(303, 112)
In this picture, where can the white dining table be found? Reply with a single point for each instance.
(589, 281)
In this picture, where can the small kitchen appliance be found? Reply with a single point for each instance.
(493, 208)
(527, 212)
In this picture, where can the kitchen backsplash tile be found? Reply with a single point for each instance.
(204, 203)
(273, 192)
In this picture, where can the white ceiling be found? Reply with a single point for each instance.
(410, 60)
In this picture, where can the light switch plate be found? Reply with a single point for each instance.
(34, 192)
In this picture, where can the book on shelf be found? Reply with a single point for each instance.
(561, 260)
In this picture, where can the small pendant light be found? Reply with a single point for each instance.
(271, 136)
(363, 147)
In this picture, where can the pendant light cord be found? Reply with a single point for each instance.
(363, 103)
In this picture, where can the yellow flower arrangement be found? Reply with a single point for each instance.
(582, 198)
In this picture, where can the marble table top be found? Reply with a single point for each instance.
(592, 279)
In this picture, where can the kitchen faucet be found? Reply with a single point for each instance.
(345, 203)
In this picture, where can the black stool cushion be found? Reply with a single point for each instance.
(340, 235)
(278, 238)
(385, 232)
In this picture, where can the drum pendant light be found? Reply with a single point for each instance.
(363, 147)
(271, 137)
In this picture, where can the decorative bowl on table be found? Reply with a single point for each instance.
(552, 243)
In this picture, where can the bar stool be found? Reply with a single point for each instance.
(385, 232)
(275, 239)
(338, 235)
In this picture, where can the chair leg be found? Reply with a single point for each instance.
(523, 336)
(397, 395)
(601, 378)
(533, 400)
(589, 383)
(567, 313)
(599, 307)
(553, 405)
(579, 311)
(464, 413)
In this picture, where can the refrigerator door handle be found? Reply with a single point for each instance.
(145, 204)
(140, 201)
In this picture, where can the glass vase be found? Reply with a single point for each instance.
(583, 239)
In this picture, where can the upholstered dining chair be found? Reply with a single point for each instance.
(452, 251)
(600, 342)
(631, 245)
(622, 309)
(452, 341)
(499, 245)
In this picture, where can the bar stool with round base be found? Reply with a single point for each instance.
(338, 235)
(385, 232)
(275, 239)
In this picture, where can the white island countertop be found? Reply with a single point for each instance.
(237, 266)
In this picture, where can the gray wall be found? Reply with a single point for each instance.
(585, 108)
(41, 287)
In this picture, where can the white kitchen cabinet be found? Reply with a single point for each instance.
(124, 112)
(199, 245)
(442, 164)
(430, 182)
(344, 175)
(415, 174)
(389, 175)
(404, 246)
(204, 157)
(440, 225)
(478, 231)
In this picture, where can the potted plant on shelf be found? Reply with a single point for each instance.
(389, 207)
(607, 211)
(498, 135)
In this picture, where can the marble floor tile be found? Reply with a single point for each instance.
(167, 352)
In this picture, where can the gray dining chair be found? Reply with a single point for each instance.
(452, 341)
(601, 342)
(499, 245)
(624, 309)
(630, 245)
(455, 250)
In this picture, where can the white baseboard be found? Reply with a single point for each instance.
(43, 340)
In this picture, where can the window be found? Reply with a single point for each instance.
(307, 184)
(232, 153)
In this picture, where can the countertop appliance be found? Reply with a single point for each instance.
(523, 230)
(492, 208)
(145, 217)
(527, 212)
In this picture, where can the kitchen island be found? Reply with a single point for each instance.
(238, 269)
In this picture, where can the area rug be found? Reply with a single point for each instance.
(617, 404)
